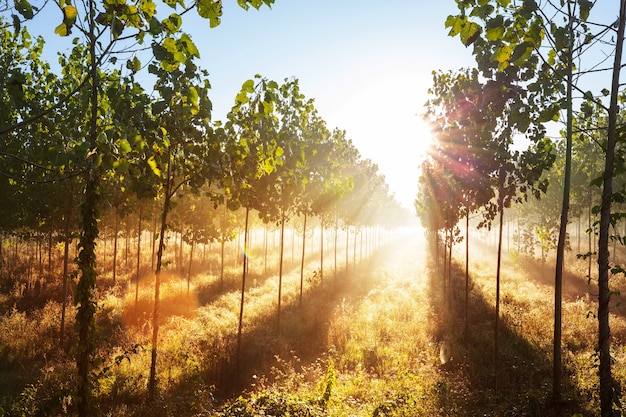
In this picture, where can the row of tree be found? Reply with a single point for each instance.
(93, 137)
(537, 63)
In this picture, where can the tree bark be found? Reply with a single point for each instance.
(280, 267)
(87, 256)
(302, 262)
(560, 251)
(243, 292)
(497, 319)
(138, 254)
(604, 333)
(152, 385)
(117, 229)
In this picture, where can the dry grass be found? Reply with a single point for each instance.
(364, 344)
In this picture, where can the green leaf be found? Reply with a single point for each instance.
(169, 45)
(242, 97)
(123, 146)
(502, 54)
(470, 32)
(248, 86)
(605, 92)
(17, 25)
(155, 26)
(172, 23)
(148, 8)
(133, 64)
(193, 96)
(69, 14)
(495, 28)
(522, 53)
(585, 7)
(24, 8)
(153, 166)
(210, 9)
(455, 23)
(62, 30)
(186, 45)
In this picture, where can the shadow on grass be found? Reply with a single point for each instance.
(524, 371)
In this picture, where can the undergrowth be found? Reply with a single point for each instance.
(367, 343)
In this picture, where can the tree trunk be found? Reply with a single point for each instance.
(604, 333)
(154, 239)
(466, 332)
(243, 292)
(138, 254)
(347, 246)
(152, 385)
(222, 244)
(302, 262)
(560, 251)
(336, 233)
(67, 239)
(265, 253)
(86, 306)
(354, 248)
(280, 267)
(117, 227)
(497, 320)
(50, 251)
(190, 263)
(322, 252)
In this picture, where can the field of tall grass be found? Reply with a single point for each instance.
(374, 338)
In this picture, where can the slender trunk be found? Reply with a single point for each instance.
(87, 256)
(67, 239)
(361, 245)
(354, 249)
(347, 246)
(445, 268)
(127, 243)
(497, 320)
(302, 262)
(578, 233)
(138, 254)
(465, 334)
(50, 251)
(117, 227)
(604, 333)
(293, 243)
(589, 240)
(280, 267)
(450, 292)
(157, 282)
(180, 264)
(190, 263)
(265, 253)
(243, 292)
(322, 253)
(560, 251)
(1, 253)
(336, 233)
(222, 244)
(154, 239)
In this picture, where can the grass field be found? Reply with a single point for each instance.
(377, 339)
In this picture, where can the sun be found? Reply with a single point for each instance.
(381, 109)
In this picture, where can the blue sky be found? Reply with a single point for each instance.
(366, 63)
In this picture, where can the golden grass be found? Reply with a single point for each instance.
(364, 344)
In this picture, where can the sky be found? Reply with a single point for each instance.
(368, 66)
